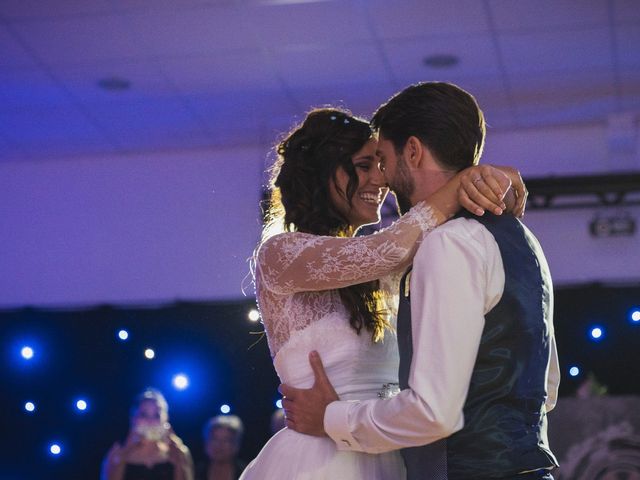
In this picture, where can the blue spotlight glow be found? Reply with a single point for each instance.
(596, 333)
(574, 371)
(180, 381)
(81, 405)
(634, 315)
(225, 409)
(123, 335)
(26, 352)
(279, 403)
(29, 406)
(55, 449)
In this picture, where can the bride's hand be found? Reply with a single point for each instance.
(497, 189)
(516, 197)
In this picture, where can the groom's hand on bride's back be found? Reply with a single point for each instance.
(304, 408)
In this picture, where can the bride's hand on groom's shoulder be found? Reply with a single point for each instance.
(493, 188)
(304, 408)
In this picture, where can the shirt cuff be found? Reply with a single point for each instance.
(336, 424)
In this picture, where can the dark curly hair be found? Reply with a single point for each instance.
(307, 161)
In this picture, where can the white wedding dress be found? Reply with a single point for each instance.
(296, 278)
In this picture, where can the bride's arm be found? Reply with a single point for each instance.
(293, 262)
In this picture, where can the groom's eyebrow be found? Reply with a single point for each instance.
(365, 157)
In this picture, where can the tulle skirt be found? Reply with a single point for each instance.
(289, 455)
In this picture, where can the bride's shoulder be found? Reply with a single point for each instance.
(289, 244)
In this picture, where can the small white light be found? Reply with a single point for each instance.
(27, 353)
(279, 403)
(180, 381)
(574, 371)
(225, 408)
(596, 332)
(123, 335)
(149, 353)
(55, 449)
(254, 315)
(635, 316)
(29, 406)
(81, 405)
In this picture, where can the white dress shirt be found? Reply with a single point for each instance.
(457, 278)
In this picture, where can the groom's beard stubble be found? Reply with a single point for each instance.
(403, 186)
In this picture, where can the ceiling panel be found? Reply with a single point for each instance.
(476, 54)
(317, 23)
(231, 72)
(559, 51)
(361, 99)
(20, 89)
(241, 117)
(32, 9)
(10, 151)
(80, 40)
(154, 124)
(201, 31)
(628, 46)
(541, 15)
(12, 54)
(626, 11)
(145, 77)
(313, 66)
(417, 18)
(225, 71)
(585, 97)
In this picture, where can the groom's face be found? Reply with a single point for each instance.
(396, 173)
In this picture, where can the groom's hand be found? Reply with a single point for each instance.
(304, 408)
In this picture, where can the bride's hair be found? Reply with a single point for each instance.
(307, 161)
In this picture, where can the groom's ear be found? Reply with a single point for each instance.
(413, 150)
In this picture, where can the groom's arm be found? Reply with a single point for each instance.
(457, 277)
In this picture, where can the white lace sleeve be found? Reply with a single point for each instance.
(296, 262)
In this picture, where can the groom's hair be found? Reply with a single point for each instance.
(442, 116)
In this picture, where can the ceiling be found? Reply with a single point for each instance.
(214, 73)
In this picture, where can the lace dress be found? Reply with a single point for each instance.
(296, 278)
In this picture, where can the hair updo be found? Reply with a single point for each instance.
(308, 159)
(307, 162)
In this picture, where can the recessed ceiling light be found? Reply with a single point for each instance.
(441, 60)
(114, 84)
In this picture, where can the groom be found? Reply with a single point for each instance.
(478, 365)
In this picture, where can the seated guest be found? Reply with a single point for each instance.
(222, 439)
(152, 451)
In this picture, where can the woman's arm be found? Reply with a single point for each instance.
(293, 262)
(114, 463)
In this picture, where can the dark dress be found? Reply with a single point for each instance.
(201, 469)
(159, 471)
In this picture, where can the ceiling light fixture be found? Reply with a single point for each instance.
(441, 60)
(114, 84)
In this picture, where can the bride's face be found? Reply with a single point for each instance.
(370, 192)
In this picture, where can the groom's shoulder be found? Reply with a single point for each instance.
(457, 235)
(462, 226)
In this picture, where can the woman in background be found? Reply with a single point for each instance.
(152, 451)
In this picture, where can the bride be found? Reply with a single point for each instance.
(320, 288)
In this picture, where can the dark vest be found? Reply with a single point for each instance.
(505, 423)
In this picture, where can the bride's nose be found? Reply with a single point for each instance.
(377, 177)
